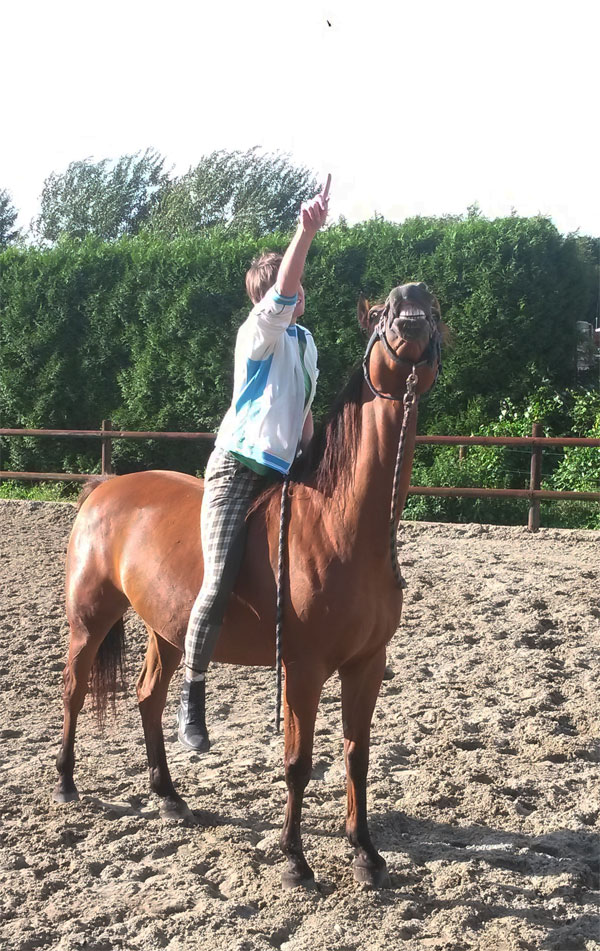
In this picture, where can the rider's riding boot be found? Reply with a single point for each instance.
(191, 720)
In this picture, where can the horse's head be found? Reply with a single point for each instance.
(409, 328)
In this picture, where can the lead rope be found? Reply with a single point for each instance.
(409, 400)
(279, 614)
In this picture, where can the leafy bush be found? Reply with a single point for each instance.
(141, 331)
(40, 491)
(573, 412)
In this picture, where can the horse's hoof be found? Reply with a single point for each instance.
(374, 875)
(176, 810)
(64, 793)
(298, 878)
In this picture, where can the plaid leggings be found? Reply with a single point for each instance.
(229, 487)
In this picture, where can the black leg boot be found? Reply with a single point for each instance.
(191, 719)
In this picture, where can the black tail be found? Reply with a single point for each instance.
(107, 675)
(90, 484)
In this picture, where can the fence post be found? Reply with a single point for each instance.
(535, 478)
(107, 468)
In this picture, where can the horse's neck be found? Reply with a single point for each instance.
(367, 503)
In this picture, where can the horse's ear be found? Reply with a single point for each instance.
(367, 315)
(362, 313)
(448, 337)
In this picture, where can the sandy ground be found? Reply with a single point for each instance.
(483, 784)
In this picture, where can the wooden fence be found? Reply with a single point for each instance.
(535, 443)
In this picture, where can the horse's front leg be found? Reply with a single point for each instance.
(301, 699)
(360, 686)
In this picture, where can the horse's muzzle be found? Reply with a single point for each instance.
(411, 323)
(413, 329)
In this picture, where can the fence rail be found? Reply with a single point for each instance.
(536, 443)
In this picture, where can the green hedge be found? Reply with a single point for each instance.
(573, 412)
(142, 331)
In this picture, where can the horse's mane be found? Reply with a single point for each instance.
(331, 453)
(328, 460)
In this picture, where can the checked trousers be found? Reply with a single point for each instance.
(229, 488)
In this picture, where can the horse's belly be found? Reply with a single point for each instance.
(246, 638)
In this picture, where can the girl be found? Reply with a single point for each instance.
(269, 418)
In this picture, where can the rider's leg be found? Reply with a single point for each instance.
(229, 488)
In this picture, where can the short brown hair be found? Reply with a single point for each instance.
(262, 274)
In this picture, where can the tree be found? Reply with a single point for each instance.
(8, 216)
(107, 199)
(244, 191)
(512, 290)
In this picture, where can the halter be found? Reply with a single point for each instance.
(431, 356)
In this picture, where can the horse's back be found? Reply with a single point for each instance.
(139, 534)
(138, 488)
(137, 539)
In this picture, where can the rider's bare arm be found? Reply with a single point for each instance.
(312, 217)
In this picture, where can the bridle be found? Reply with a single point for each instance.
(431, 357)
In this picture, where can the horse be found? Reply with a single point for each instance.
(136, 543)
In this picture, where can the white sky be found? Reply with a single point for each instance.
(419, 108)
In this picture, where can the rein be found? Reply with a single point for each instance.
(410, 400)
(279, 612)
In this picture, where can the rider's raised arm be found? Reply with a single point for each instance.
(312, 217)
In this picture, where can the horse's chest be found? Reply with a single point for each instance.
(343, 596)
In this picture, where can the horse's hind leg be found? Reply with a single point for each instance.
(162, 659)
(360, 686)
(86, 638)
(302, 692)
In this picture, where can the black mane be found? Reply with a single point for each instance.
(331, 453)
(328, 460)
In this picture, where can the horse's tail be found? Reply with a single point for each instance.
(90, 484)
(107, 675)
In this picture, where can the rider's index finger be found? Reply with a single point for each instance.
(325, 192)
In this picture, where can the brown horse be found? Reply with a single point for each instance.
(136, 541)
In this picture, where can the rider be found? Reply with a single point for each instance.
(269, 418)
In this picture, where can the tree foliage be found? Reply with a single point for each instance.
(8, 216)
(141, 330)
(105, 199)
(512, 290)
(243, 191)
